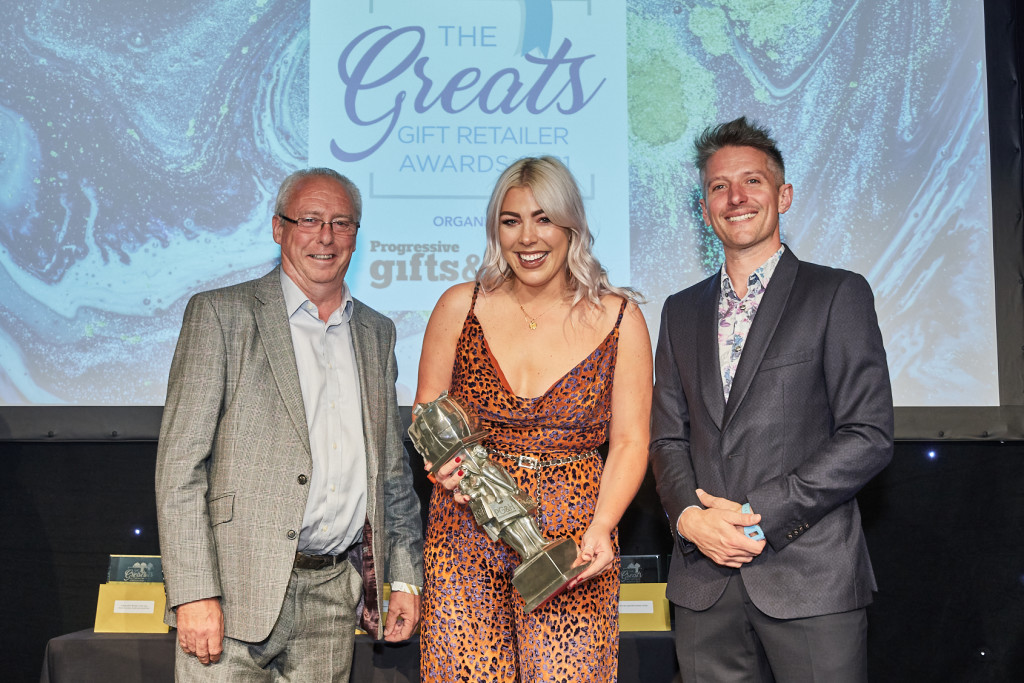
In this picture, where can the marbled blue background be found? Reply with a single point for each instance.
(141, 145)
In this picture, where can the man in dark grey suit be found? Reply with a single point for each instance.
(772, 408)
(284, 494)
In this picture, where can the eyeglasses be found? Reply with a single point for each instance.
(339, 226)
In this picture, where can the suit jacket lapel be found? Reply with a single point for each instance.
(707, 350)
(769, 313)
(272, 322)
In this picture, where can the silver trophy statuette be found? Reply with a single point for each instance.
(440, 431)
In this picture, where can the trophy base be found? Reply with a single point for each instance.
(546, 574)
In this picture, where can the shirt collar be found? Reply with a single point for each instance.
(763, 273)
(295, 299)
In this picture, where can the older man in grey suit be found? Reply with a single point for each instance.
(284, 494)
(772, 408)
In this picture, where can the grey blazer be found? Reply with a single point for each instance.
(809, 421)
(234, 447)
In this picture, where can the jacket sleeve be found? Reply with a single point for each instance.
(859, 395)
(670, 433)
(401, 503)
(195, 394)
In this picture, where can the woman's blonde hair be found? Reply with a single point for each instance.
(558, 195)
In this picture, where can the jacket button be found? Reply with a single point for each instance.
(302, 479)
(291, 533)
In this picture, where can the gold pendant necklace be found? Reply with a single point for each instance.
(532, 322)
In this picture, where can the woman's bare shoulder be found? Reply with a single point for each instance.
(455, 302)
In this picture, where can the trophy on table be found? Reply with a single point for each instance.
(442, 430)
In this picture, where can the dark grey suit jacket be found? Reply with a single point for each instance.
(234, 442)
(808, 423)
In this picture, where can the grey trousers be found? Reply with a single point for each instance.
(311, 641)
(735, 642)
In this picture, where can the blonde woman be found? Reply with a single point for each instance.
(553, 361)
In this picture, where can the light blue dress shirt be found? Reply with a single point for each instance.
(336, 507)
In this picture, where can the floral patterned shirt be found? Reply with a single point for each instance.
(735, 316)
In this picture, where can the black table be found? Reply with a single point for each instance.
(89, 657)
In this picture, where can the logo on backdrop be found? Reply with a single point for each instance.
(424, 104)
(555, 83)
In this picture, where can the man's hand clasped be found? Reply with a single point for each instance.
(717, 530)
